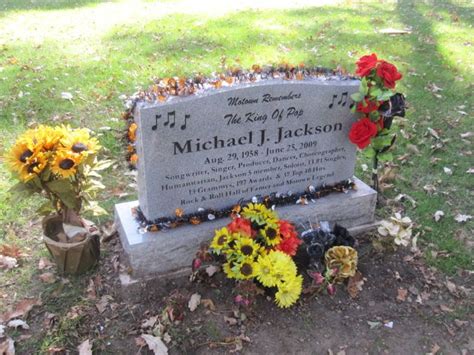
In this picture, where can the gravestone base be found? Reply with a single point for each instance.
(165, 253)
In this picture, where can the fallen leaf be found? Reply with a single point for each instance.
(460, 323)
(461, 218)
(103, 303)
(437, 215)
(467, 134)
(85, 348)
(194, 302)
(208, 303)
(435, 349)
(21, 310)
(374, 325)
(445, 308)
(47, 277)
(45, 263)
(470, 171)
(15, 323)
(66, 96)
(451, 287)
(12, 251)
(155, 344)
(433, 133)
(388, 324)
(354, 286)
(402, 294)
(448, 171)
(230, 320)
(7, 262)
(150, 322)
(7, 347)
(211, 270)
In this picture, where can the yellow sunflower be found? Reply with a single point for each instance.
(228, 268)
(221, 240)
(258, 213)
(79, 141)
(65, 163)
(289, 291)
(246, 247)
(34, 166)
(344, 259)
(264, 271)
(271, 234)
(47, 138)
(245, 269)
(19, 154)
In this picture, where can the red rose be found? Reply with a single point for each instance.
(389, 73)
(369, 106)
(240, 225)
(362, 131)
(365, 64)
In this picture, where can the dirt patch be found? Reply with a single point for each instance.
(404, 307)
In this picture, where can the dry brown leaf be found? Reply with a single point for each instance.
(211, 270)
(354, 286)
(45, 263)
(7, 346)
(150, 322)
(7, 262)
(85, 348)
(435, 349)
(103, 303)
(11, 251)
(402, 294)
(230, 320)
(451, 287)
(21, 310)
(47, 277)
(194, 302)
(208, 303)
(155, 344)
(445, 308)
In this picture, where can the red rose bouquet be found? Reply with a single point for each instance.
(377, 104)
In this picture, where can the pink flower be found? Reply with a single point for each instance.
(331, 289)
(196, 264)
(317, 277)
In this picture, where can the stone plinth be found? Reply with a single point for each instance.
(160, 253)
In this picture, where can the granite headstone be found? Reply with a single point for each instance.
(221, 146)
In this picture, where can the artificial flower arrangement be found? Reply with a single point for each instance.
(257, 245)
(377, 103)
(60, 164)
(332, 258)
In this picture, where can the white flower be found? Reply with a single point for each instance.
(398, 227)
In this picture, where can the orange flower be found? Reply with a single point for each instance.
(132, 129)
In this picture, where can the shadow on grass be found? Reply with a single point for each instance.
(24, 5)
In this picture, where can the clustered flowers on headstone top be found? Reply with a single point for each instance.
(377, 102)
(257, 245)
(61, 164)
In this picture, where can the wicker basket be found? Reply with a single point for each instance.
(71, 258)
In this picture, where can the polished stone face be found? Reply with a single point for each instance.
(214, 149)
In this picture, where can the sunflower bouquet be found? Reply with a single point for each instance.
(60, 163)
(257, 245)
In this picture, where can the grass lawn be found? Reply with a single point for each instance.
(101, 50)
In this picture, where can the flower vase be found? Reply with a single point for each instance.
(71, 258)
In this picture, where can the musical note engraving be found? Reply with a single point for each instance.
(172, 115)
(155, 126)
(171, 121)
(342, 101)
(332, 103)
(186, 117)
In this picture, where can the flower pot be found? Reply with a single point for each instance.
(71, 258)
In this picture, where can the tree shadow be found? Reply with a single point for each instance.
(25, 5)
